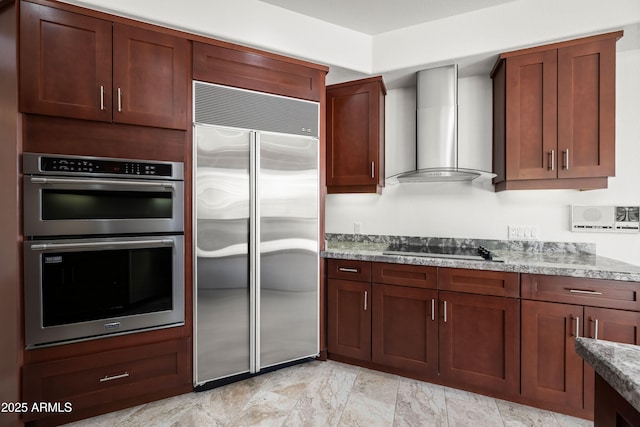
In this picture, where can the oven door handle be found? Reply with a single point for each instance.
(93, 245)
(42, 180)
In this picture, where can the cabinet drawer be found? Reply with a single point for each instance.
(575, 290)
(417, 276)
(350, 270)
(96, 379)
(498, 283)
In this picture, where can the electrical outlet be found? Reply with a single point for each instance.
(523, 232)
(357, 228)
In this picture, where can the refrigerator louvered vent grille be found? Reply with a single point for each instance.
(238, 108)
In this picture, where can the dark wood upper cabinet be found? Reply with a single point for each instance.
(254, 70)
(554, 115)
(355, 136)
(150, 81)
(65, 63)
(81, 67)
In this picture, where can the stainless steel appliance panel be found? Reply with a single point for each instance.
(78, 289)
(288, 189)
(72, 195)
(222, 211)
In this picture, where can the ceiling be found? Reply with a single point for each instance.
(379, 16)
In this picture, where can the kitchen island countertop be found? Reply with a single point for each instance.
(548, 262)
(618, 364)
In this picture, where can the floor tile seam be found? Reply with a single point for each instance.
(351, 393)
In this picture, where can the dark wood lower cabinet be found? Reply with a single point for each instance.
(479, 342)
(349, 319)
(551, 368)
(611, 325)
(83, 383)
(499, 333)
(611, 409)
(405, 329)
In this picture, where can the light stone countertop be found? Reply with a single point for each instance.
(557, 259)
(618, 364)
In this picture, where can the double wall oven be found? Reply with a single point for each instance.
(104, 247)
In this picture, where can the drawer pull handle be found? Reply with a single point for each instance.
(349, 270)
(113, 377)
(579, 291)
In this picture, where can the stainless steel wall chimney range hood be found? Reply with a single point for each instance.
(437, 130)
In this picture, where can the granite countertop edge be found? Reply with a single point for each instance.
(571, 265)
(618, 364)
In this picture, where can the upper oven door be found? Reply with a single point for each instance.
(64, 206)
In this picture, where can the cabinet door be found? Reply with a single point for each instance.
(349, 319)
(479, 342)
(355, 135)
(531, 133)
(65, 63)
(150, 83)
(611, 325)
(551, 368)
(405, 329)
(586, 109)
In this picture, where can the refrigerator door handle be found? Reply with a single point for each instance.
(254, 255)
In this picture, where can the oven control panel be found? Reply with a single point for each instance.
(103, 166)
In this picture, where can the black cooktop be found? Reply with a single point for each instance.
(479, 253)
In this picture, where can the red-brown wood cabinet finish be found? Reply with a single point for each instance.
(249, 69)
(10, 218)
(611, 325)
(150, 78)
(102, 378)
(65, 60)
(405, 319)
(551, 368)
(84, 67)
(422, 332)
(611, 409)
(355, 136)
(482, 314)
(479, 342)
(554, 115)
(556, 310)
(348, 309)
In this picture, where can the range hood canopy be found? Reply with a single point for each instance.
(437, 130)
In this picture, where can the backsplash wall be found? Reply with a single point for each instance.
(464, 210)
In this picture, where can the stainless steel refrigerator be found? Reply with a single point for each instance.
(256, 204)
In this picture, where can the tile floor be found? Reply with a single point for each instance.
(332, 394)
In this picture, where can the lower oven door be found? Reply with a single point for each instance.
(78, 289)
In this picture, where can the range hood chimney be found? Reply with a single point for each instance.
(437, 130)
